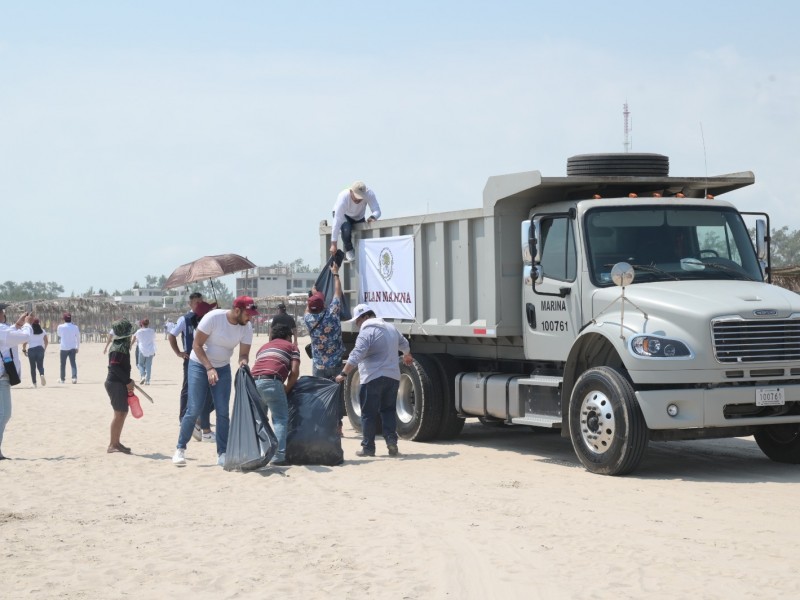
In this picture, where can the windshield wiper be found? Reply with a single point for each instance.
(656, 270)
(730, 271)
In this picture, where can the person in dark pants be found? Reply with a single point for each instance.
(185, 328)
(287, 320)
(350, 208)
(118, 382)
(375, 356)
(70, 337)
(35, 350)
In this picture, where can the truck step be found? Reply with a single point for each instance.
(538, 421)
(541, 380)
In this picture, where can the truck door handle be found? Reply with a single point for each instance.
(530, 313)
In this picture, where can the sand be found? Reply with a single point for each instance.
(494, 514)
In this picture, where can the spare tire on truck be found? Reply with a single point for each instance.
(618, 164)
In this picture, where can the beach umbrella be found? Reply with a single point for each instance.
(207, 267)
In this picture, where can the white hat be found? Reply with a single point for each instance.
(359, 189)
(361, 310)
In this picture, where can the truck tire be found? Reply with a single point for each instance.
(618, 164)
(419, 412)
(451, 424)
(608, 431)
(352, 384)
(780, 443)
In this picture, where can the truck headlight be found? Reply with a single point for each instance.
(651, 346)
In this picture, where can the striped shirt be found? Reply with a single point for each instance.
(276, 358)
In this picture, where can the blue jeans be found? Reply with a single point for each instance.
(199, 391)
(71, 355)
(273, 397)
(329, 373)
(347, 232)
(378, 397)
(5, 405)
(145, 366)
(205, 414)
(36, 358)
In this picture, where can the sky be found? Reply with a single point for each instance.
(138, 136)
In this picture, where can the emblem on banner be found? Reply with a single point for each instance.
(386, 263)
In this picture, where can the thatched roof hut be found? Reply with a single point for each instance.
(94, 316)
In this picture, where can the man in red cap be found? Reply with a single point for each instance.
(70, 338)
(216, 337)
(325, 330)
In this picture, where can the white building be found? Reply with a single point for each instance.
(156, 295)
(274, 281)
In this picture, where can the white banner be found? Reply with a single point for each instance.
(387, 276)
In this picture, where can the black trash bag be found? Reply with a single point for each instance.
(326, 286)
(251, 441)
(314, 413)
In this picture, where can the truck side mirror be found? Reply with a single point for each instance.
(525, 240)
(761, 239)
(533, 241)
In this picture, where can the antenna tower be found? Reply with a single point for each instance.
(626, 118)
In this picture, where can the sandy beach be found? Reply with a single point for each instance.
(493, 514)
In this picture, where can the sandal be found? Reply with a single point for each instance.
(119, 448)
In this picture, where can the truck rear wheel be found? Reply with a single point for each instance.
(419, 412)
(608, 431)
(780, 443)
(352, 386)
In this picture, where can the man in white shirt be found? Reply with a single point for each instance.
(351, 208)
(146, 338)
(70, 338)
(216, 337)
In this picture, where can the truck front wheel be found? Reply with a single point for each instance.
(780, 443)
(609, 433)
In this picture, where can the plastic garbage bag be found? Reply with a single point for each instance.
(326, 285)
(251, 441)
(314, 412)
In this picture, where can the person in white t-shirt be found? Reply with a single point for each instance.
(146, 338)
(35, 349)
(351, 208)
(70, 340)
(216, 337)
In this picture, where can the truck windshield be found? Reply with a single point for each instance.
(676, 243)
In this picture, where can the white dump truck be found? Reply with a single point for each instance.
(618, 304)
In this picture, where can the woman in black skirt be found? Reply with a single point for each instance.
(118, 381)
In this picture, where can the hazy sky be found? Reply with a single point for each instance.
(137, 136)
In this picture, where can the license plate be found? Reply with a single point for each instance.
(769, 397)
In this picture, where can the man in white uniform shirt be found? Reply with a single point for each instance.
(351, 207)
(70, 339)
(216, 337)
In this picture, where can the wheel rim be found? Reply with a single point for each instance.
(355, 387)
(405, 400)
(597, 422)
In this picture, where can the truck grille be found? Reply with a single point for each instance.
(740, 341)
